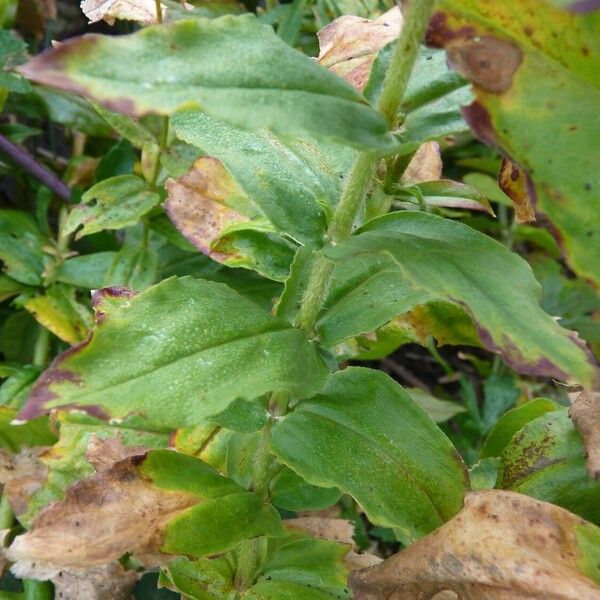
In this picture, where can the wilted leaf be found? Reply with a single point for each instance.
(107, 582)
(516, 184)
(502, 546)
(114, 203)
(585, 412)
(22, 475)
(150, 505)
(142, 11)
(453, 262)
(425, 165)
(274, 86)
(348, 46)
(188, 331)
(526, 71)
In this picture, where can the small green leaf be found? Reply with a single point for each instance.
(512, 422)
(21, 243)
(119, 160)
(134, 266)
(546, 460)
(125, 126)
(33, 433)
(187, 331)
(112, 204)
(367, 437)
(292, 492)
(16, 388)
(438, 410)
(455, 263)
(87, 271)
(273, 86)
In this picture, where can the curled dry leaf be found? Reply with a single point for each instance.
(515, 183)
(108, 582)
(585, 413)
(103, 453)
(100, 519)
(142, 11)
(22, 475)
(199, 204)
(348, 46)
(501, 546)
(425, 165)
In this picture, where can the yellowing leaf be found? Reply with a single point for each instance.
(501, 546)
(142, 11)
(200, 204)
(348, 46)
(585, 412)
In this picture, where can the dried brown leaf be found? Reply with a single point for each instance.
(425, 165)
(100, 519)
(501, 546)
(513, 181)
(338, 530)
(198, 204)
(585, 412)
(22, 475)
(108, 582)
(103, 453)
(142, 11)
(348, 46)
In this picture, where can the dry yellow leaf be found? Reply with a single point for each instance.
(142, 11)
(501, 546)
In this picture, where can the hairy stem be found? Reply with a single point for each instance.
(27, 162)
(162, 145)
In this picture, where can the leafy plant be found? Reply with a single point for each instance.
(220, 246)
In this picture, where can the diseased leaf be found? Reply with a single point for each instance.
(188, 331)
(546, 460)
(274, 86)
(142, 11)
(453, 262)
(425, 165)
(511, 422)
(366, 436)
(585, 412)
(348, 45)
(517, 185)
(526, 73)
(108, 582)
(143, 505)
(114, 203)
(502, 546)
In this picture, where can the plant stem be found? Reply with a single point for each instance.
(159, 17)
(6, 514)
(27, 162)
(162, 145)
(361, 174)
(41, 348)
(37, 590)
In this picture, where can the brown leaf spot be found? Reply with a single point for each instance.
(515, 183)
(197, 204)
(339, 530)
(439, 33)
(478, 119)
(109, 298)
(585, 413)
(487, 61)
(501, 546)
(348, 45)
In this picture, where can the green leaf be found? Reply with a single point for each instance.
(438, 410)
(513, 421)
(456, 263)
(273, 86)
(17, 386)
(366, 436)
(242, 416)
(546, 460)
(499, 394)
(125, 126)
(291, 492)
(87, 271)
(184, 331)
(33, 433)
(484, 473)
(21, 244)
(9, 287)
(119, 160)
(19, 333)
(287, 181)
(134, 266)
(111, 204)
(514, 112)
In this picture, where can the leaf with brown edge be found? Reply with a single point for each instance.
(585, 413)
(501, 546)
(516, 184)
(152, 505)
(201, 204)
(348, 46)
(425, 165)
(142, 11)
(527, 78)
